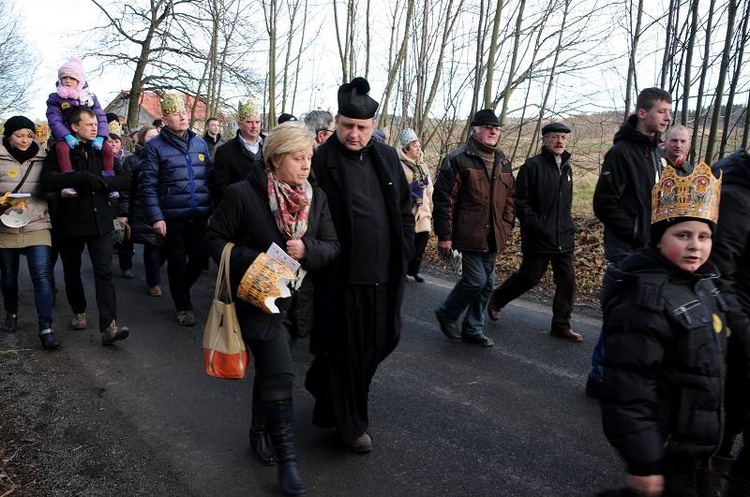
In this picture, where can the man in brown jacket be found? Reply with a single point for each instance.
(473, 213)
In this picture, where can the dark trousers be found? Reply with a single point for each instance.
(533, 267)
(274, 373)
(100, 252)
(420, 243)
(125, 254)
(153, 258)
(341, 383)
(187, 257)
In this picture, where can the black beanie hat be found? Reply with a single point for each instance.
(658, 229)
(18, 122)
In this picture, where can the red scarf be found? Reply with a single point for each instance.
(290, 206)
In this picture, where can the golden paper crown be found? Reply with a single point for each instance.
(246, 110)
(115, 128)
(171, 103)
(696, 195)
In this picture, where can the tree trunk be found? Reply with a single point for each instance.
(636, 35)
(689, 62)
(513, 62)
(723, 68)
(702, 84)
(492, 56)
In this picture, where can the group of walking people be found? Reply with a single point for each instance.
(357, 215)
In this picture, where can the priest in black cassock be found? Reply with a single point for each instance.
(358, 297)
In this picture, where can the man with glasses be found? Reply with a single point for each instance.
(473, 213)
(544, 198)
(174, 191)
(320, 123)
(234, 159)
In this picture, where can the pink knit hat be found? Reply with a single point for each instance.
(74, 69)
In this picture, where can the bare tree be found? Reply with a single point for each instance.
(739, 44)
(16, 62)
(723, 68)
(635, 36)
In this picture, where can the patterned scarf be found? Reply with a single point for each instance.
(290, 206)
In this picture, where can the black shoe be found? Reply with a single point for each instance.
(449, 327)
(11, 323)
(481, 340)
(127, 273)
(594, 388)
(186, 318)
(418, 278)
(48, 338)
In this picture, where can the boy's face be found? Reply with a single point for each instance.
(657, 119)
(85, 129)
(69, 82)
(687, 245)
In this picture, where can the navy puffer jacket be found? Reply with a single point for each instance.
(173, 177)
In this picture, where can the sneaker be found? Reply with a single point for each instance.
(449, 327)
(479, 339)
(594, 388)
(155, 291)
(48, 338)
(113, 332)
(127, 273)
(186, 318)
(79, 321)
(11, 323)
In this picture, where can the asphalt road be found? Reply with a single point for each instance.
(446, 419)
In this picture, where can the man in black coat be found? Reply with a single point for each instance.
(622, 198)
(731, 254)
(233, 159)
(85, 219)
(358, 297)
(544, 196)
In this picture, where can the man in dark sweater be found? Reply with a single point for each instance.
(85, 219)
(358, 297)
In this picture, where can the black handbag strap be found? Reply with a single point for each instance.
(23, 180)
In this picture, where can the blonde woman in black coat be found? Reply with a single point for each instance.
(275, 205)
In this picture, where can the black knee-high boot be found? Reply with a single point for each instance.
(260, 441)
(280, 422)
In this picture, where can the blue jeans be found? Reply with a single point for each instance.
(38, 259)
(472, 291)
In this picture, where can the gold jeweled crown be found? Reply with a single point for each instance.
(246, 110)
(171, 103)
(696, 195)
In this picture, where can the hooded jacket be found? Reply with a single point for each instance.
(666, 336)
(622, 198)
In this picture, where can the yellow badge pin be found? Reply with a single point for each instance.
(718, 325)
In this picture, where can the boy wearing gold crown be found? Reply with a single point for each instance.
(666, 328)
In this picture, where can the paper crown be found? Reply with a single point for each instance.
(171, 103)
(695, 196)
(246, 110)
(115, 128)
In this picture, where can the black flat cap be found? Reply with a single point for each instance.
(354, 101)
(486, 117)
(555, 128)
(284, 117)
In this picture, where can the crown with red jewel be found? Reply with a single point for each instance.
(696, 195)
